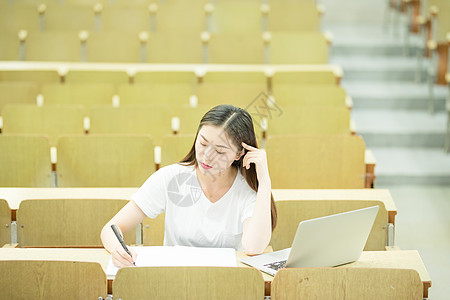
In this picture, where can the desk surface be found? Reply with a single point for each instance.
(402, 259)
(63, 67)
(338, 194)
(15, 195)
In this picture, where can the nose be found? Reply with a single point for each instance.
(208, 154)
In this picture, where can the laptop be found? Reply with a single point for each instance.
(322, 242)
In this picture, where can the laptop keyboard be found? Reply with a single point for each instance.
(276, 265)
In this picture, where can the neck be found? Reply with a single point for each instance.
(224, 178)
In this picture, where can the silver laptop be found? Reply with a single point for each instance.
(322, 242)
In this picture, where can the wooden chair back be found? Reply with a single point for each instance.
(227, 48)
(25, 161)
(17, 92)
(66, 222)
(238, 94)
(53, 46)
(316, 161)
(5, 223)
(201, 283)
(39, 77)
(91, 76)
(104, 160)
(298, 48)
(169, 94)
(86, 94)
(310, 120)
(190, 117)
(154, 120)
(294, 16)
(237, 17)
(324, 95)
(304, 77)
(52, 280)
(153, 231)
(346, 283)
(114, 46)
(175, 147)
(174, 48)
(50, 120)
(157, 77)
(253, 77)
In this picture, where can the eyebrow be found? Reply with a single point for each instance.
(221, 146)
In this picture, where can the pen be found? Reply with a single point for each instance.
(119, 237)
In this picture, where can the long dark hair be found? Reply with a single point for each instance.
(238, 124)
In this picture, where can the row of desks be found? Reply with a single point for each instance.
(400, 259)
(15, 195)
(376, 259)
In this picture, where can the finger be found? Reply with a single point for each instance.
(125, 254)
(119, 260)
(245, 160)
(248, 147)
(250, 160)
(133, 254)
(249, 155)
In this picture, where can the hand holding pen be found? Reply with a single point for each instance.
(122, 256)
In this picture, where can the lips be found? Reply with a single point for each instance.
(205, 166)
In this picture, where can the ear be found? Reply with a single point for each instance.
(240, 154)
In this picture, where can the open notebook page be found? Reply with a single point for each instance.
(158, 256)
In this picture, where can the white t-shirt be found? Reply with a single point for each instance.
(191, 219)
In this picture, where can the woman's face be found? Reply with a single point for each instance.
(214, 150)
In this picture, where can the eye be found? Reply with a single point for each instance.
(220, 152)
(204, 145)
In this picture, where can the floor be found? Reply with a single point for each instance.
(391, 112)
(423, 224)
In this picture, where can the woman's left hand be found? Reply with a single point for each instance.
(259, 158)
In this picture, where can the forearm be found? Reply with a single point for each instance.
(109, 239)
(125, 220)
(258, 228)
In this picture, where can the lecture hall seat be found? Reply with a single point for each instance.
(108, 160)
(50, 120)
(35, 279)
(346, 283)
(66, 223)
(17, 92)
(316, 161)
(5, 221)
(201, 283)
(25, 161)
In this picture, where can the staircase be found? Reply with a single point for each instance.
(391, 107)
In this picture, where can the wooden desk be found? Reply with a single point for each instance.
(15, 195)
(131, 68)
(337, 194)
(404, 259)
(401, 259)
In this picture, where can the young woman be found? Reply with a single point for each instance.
(219, 195)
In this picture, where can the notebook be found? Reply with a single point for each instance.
(164, 256)
(322, 242)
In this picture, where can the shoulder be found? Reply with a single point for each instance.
(167, 173)
(242, 185)
(175, 169)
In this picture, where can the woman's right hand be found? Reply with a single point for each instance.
(121, 258)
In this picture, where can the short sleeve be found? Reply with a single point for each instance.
(249, 205)
(151, 196)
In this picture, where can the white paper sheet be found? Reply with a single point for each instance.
(157, 256)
